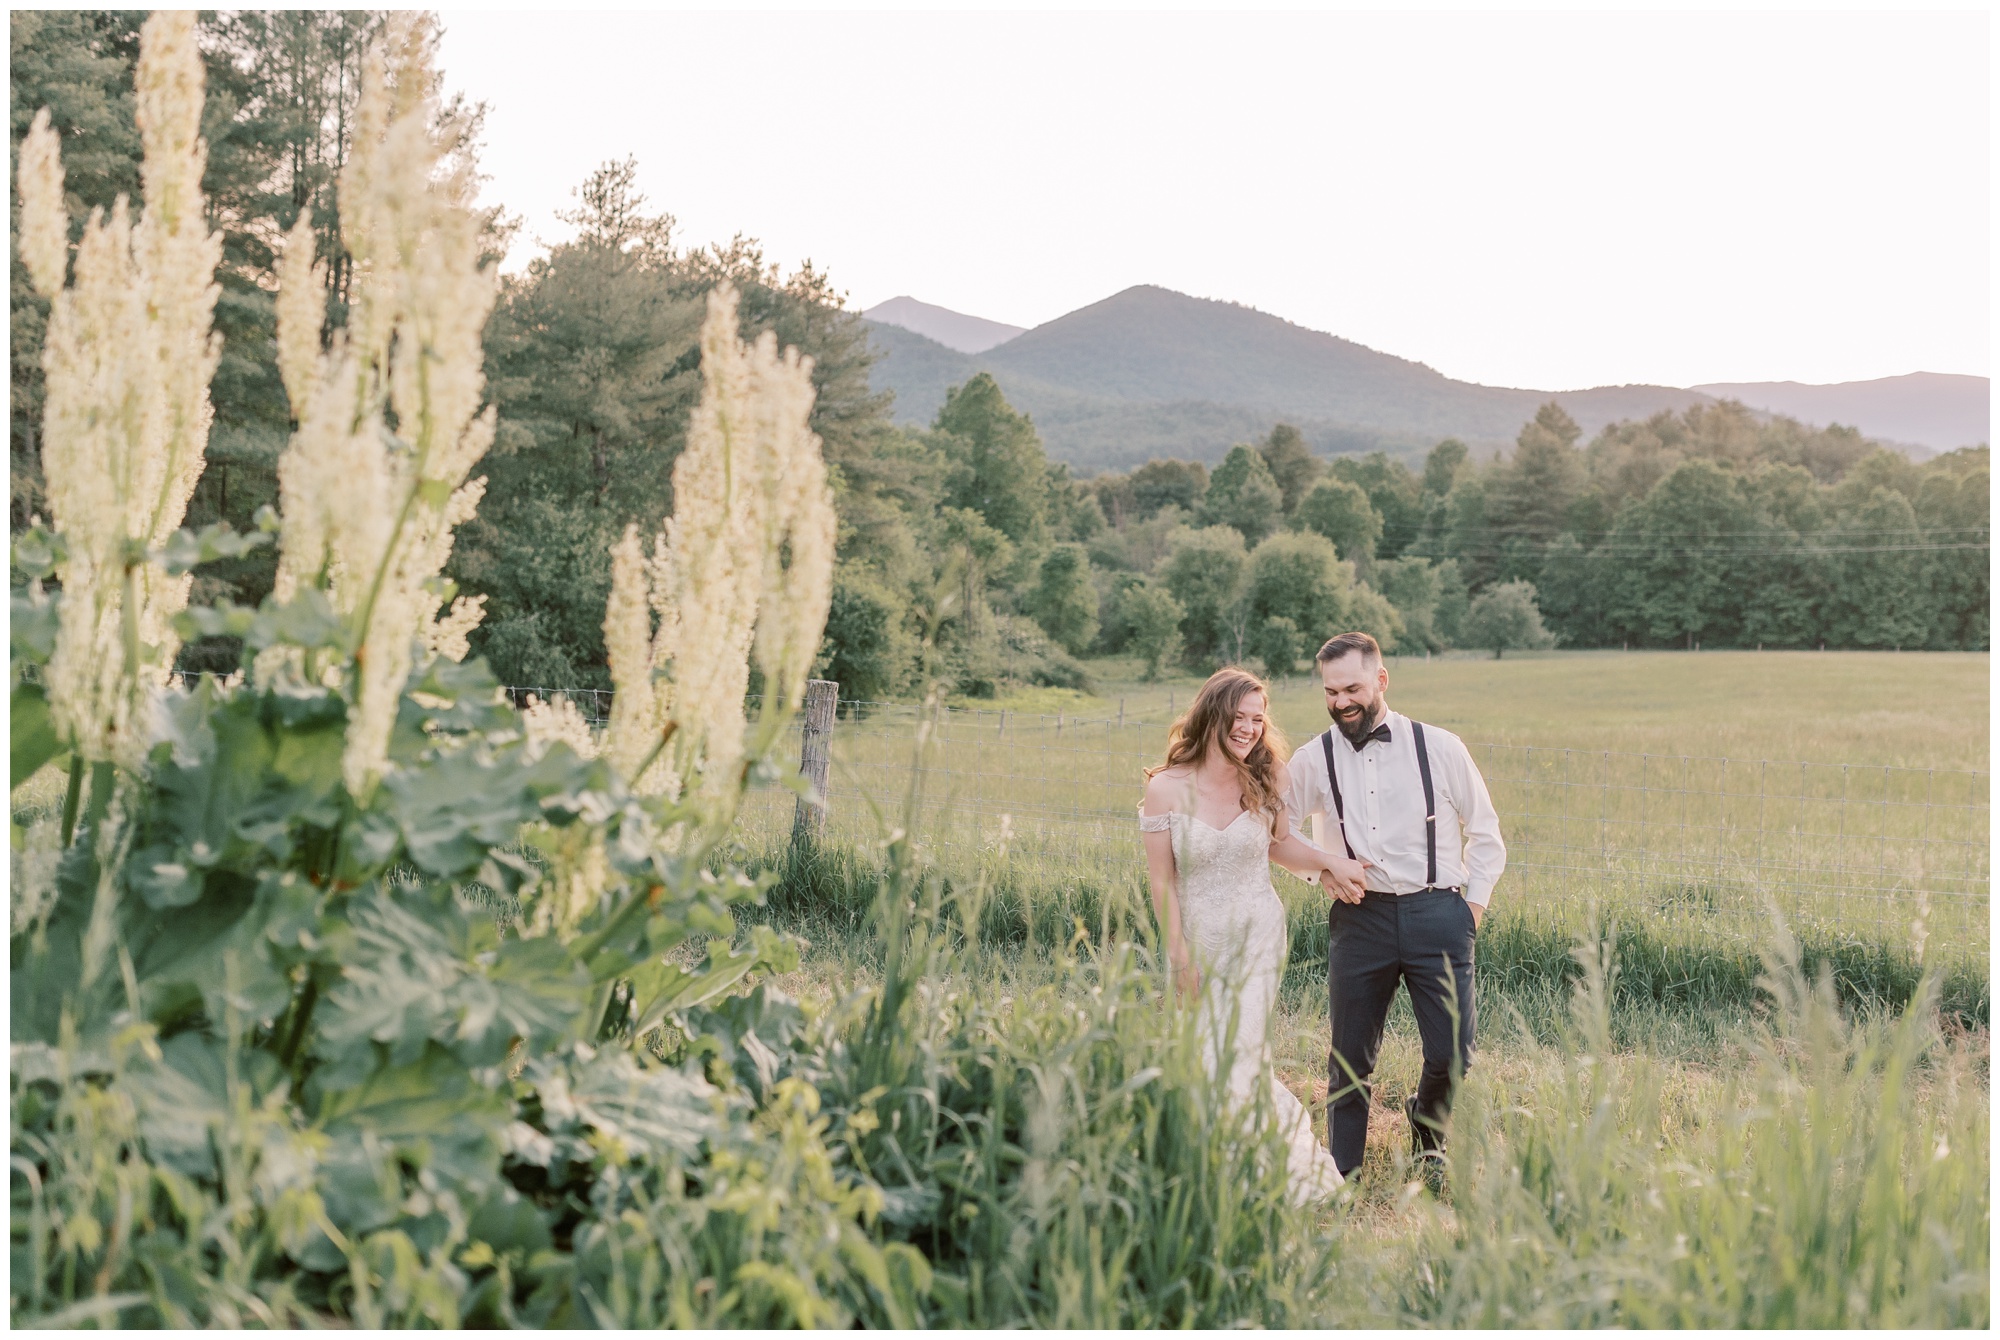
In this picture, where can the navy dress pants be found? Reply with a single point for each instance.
(1425, 941)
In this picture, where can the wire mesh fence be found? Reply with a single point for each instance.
(1688, 846)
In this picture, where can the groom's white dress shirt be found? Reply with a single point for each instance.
(1384, 796)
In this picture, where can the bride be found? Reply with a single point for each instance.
(1214, 820)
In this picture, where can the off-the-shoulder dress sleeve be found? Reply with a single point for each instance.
(1155, 823)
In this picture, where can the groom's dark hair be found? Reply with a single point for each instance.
(1346, 645)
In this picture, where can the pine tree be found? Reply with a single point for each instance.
(1683, 565)
(999, 469)
(1530, 496)
(1441, 468)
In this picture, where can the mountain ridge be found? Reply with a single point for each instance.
(1150, 372)
(954, 330)
(1936, 411)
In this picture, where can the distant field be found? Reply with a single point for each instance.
(1907, 709)
(1679, 794)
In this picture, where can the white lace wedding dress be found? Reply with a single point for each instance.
(1235, 928)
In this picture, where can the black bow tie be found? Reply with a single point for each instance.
(1381, 732)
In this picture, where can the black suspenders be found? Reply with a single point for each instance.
(1333, 780)
(1430, 801)
(1430, 808)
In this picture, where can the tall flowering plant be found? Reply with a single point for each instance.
(744, 564)
(353, 982)
(389, 414)
(129, 355)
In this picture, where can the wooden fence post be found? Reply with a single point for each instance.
(815, 756)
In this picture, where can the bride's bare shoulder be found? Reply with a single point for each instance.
(1165, 788)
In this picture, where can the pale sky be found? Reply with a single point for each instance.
(1552, 200)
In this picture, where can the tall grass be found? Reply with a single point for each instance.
(1521, 951)
(1057, 1155)
(1841, 1181)
(1045, 1138)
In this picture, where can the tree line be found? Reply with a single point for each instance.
(964, 552)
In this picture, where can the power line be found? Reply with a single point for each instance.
(1777, 532)
(1629, 552)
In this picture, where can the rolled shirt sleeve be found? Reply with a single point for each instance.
(1479, 826)
(1309, 798)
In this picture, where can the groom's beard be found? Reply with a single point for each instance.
(1357, 727)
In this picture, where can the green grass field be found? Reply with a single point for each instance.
(1676, 797)
(1659, 793)
(1909, 709)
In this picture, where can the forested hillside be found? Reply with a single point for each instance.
(1150, 372)
(1091, 432)
(1308, 484)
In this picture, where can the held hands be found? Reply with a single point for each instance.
(1343, 879)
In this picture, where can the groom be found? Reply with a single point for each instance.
(1418, 851)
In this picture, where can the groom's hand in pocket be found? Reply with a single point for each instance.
(1345, 879)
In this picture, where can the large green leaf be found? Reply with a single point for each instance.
(233, 947)
(218, 761)
(416, 969)
(662, 987)
(241, 773)
(455, 808)
(535, 990)
(507, 1222)
(447, 698)
(182, 1098)
(31, 733)
(759, 1037)
(430, 1112)
(46, 970)
(400, 974)
(588, 1097)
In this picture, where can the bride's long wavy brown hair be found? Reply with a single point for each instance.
(1205, 726)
